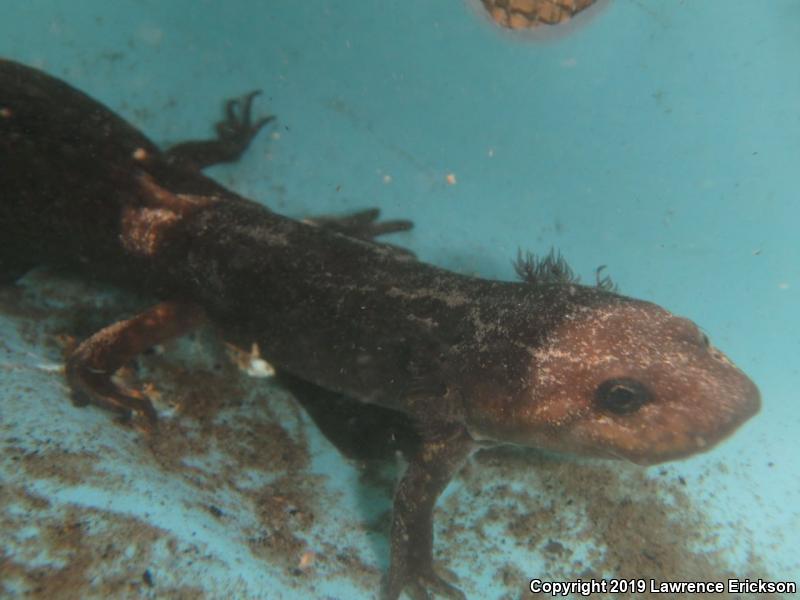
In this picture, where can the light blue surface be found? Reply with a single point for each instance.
(662, 139)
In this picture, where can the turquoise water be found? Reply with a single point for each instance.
(659, 139)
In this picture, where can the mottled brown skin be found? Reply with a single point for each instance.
(544, 363)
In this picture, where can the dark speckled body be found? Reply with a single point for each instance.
(346, 314)
(544, 362)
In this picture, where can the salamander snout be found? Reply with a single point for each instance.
(631, 380)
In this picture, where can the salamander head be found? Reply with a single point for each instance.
(629, 380)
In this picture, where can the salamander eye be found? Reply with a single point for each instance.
(621, 396)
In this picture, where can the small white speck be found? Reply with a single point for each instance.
(258, 367)
(387, 179)
(707, 184)
(151, 35)
(251, 362)
(783, 285)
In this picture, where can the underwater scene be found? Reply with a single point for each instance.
(399, 299)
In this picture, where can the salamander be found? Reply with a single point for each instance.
(543, 362)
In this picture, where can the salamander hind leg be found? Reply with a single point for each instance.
(234, 134)
(92, 364)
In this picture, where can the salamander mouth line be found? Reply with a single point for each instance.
(618, 456)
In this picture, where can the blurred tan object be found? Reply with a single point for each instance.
(529, 14)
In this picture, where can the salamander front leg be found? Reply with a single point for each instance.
(234, 134)
(440, 456)
(92, 364)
